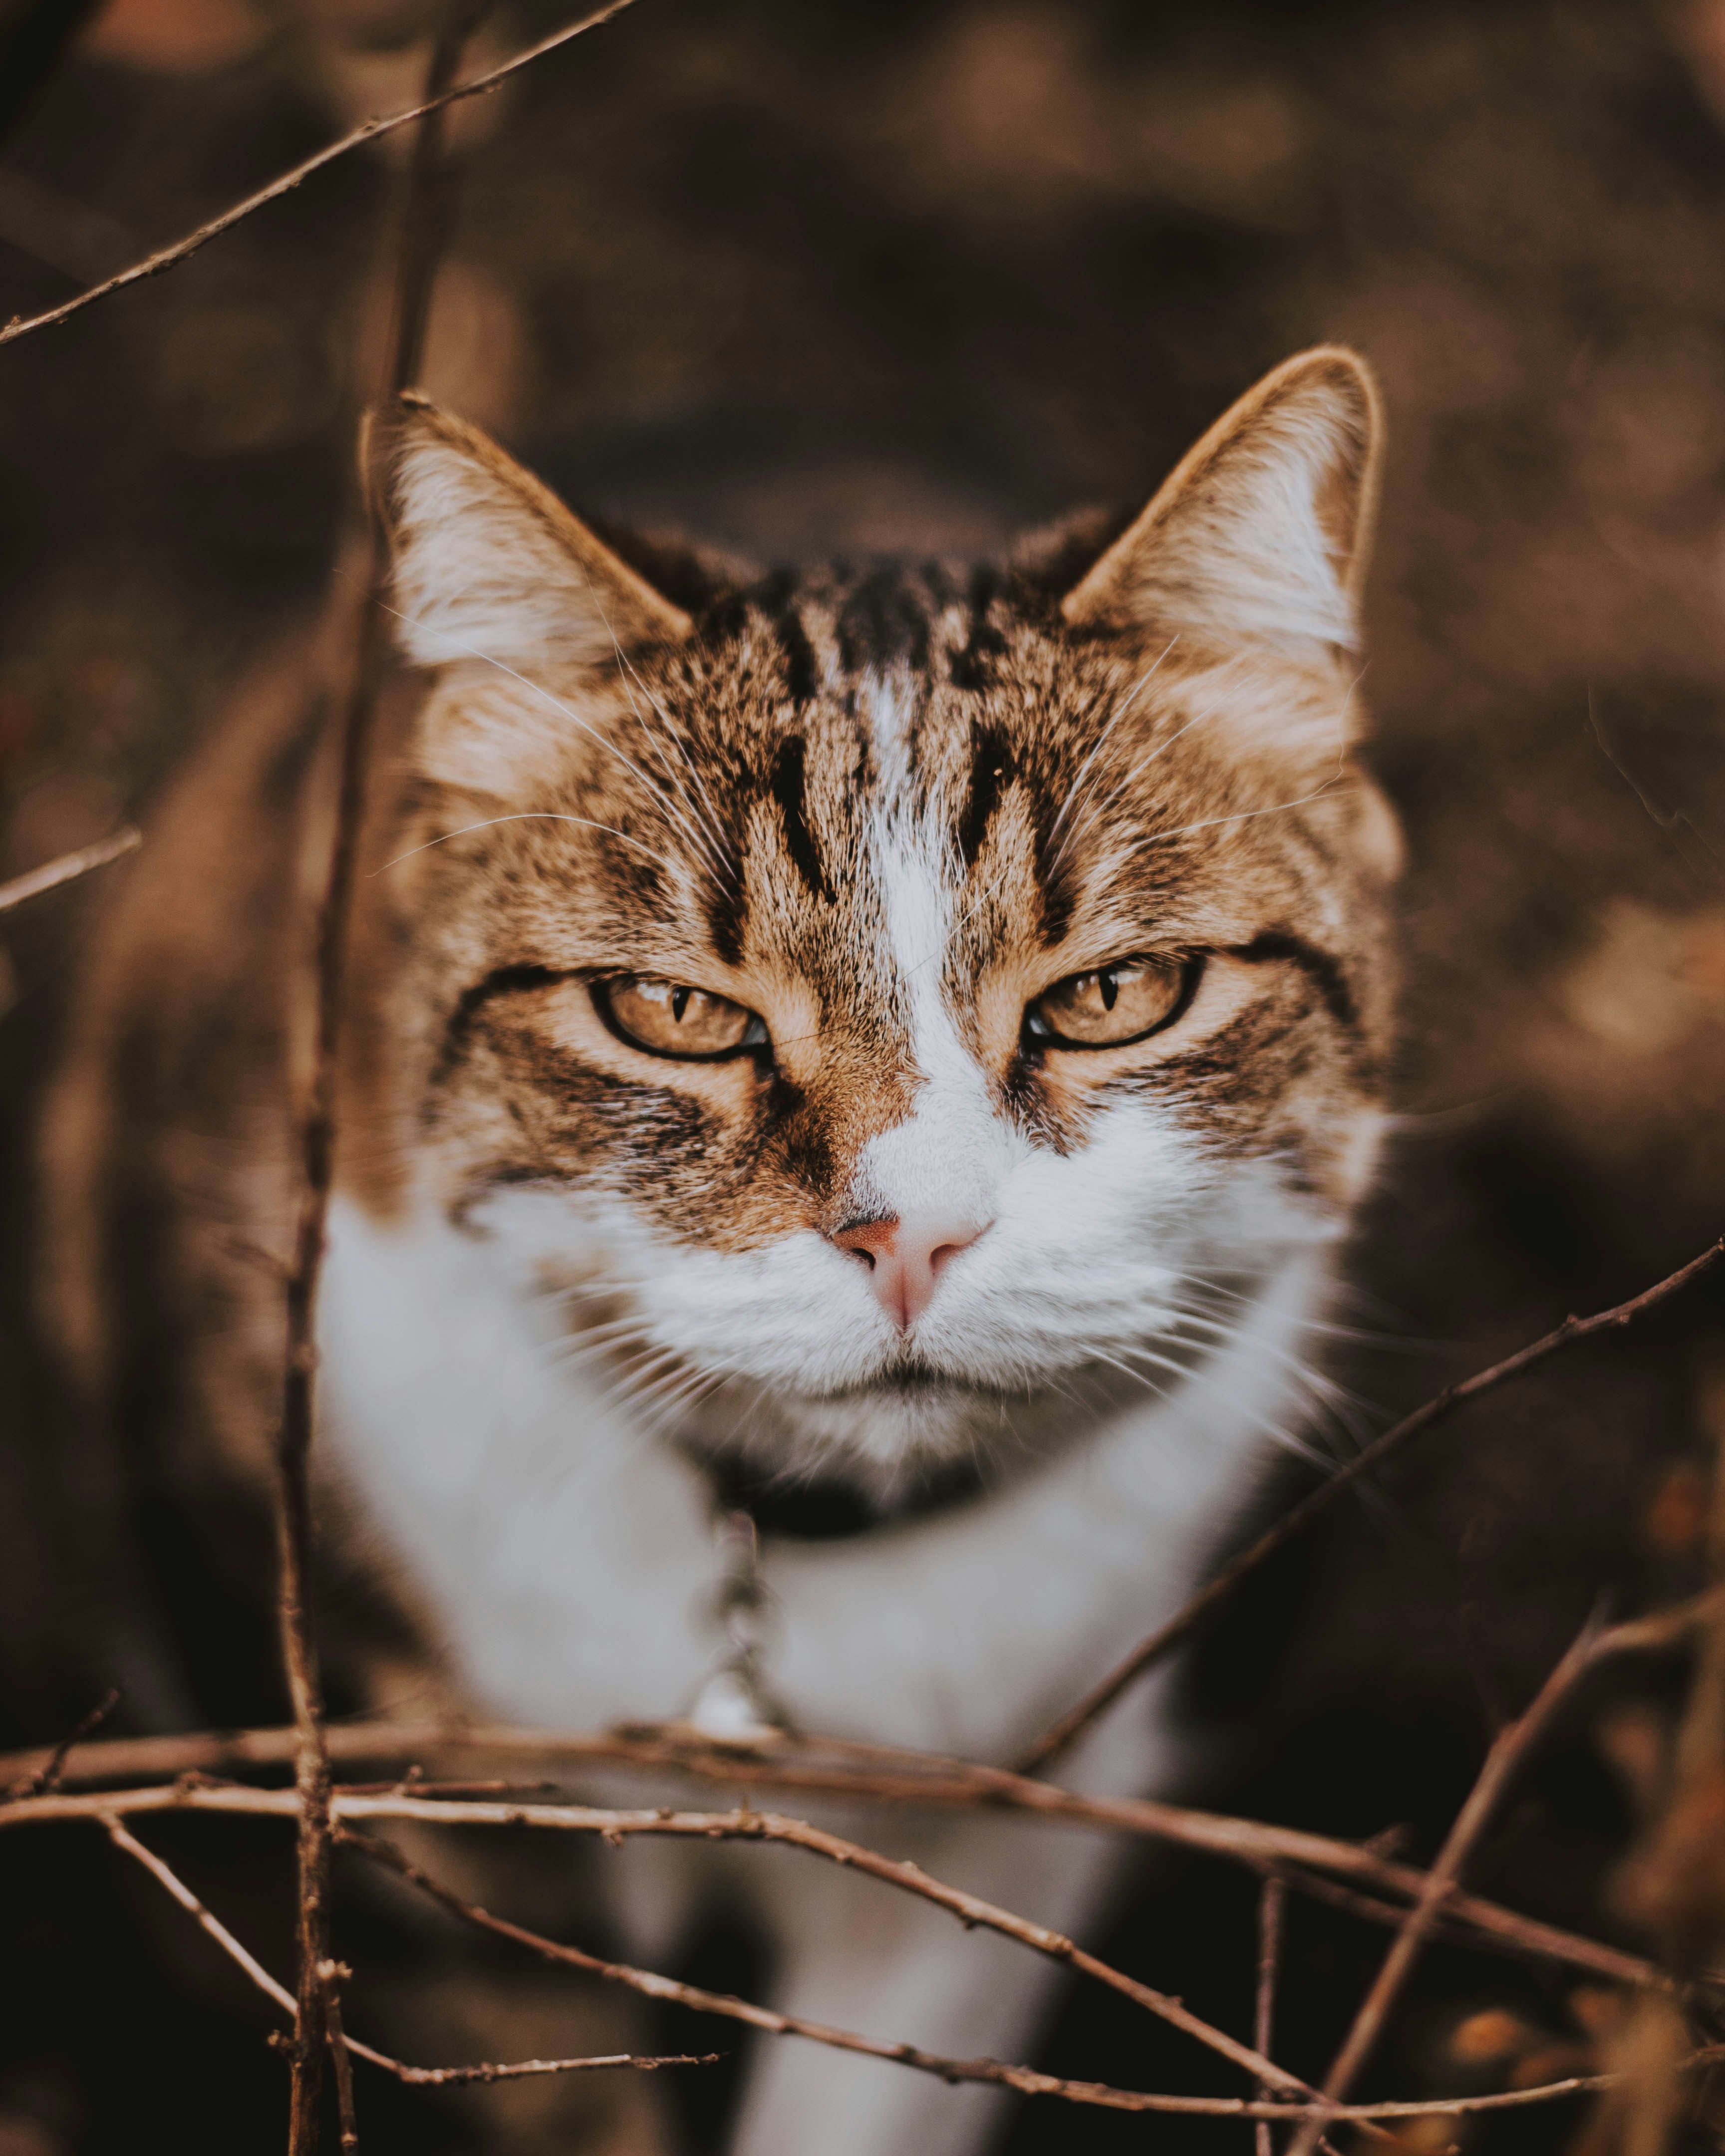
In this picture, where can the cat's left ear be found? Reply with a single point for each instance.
(490, 566)
(1261, 532)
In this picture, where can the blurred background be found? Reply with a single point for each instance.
(864, 274)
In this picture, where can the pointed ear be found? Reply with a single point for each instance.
(1262, 530)
(490, 565)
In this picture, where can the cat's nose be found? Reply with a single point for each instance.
(905, 1256)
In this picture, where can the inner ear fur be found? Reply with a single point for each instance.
(1262, 530)
(489, 564)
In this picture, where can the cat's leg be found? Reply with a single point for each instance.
(859, 1955)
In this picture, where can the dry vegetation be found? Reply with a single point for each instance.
(1552, 547)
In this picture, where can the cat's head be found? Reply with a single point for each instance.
(887, 1001)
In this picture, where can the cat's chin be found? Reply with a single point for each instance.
(885, 1440)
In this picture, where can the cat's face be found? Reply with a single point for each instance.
(885, 1003)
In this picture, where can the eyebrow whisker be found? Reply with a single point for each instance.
(531, 816)
(1327, 792)
(558, 706)
(1096, 747)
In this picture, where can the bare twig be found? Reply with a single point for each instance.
(230, 1946)
(350, 1810)
(1270, 1914)
(923, 1781)
(68, 866)
(909, 1878)
(419, 2076)
(347, 1809)
(1181, 1626)
(523, 2069)
(373, 130)
(341, 2061)
(1510, 1749)
(47, 1777)
(424, 224)
(1024, 2079)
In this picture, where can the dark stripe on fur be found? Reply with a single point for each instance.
(802, 671)
(990, 772)
(1281, 946)
(787, 782)
(884, 619)
(502, 981)
(972, 666)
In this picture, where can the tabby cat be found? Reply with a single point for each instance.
(878, 1060)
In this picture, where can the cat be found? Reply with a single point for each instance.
(901, 1042)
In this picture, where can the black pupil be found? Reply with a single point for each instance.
(679, 1003)
(1109, 985)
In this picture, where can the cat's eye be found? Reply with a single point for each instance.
(1124, 1002)
(668, 1018)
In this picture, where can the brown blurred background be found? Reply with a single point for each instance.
(800, 278)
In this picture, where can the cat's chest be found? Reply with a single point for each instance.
(563, 1551)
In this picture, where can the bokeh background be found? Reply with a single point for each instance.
(799, 276)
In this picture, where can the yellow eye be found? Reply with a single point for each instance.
(668, 1019)
(1117, 1004)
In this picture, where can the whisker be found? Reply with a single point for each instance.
(625, 672)
(673, 734)
(557, 705)
(1326, 792)
(1100, 808)
(1096, 749)
(532, 816)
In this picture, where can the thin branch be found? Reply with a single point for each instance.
(280, 1996)
(923, 1781)
(348, 1810)
(373, 130)
(1270, 1914)
(52, 874)
(1452, 1930)
(1180, 1627)
(909, 1878)
(990, 2070)
(41, 1781)
(230, 1946)
(331, 1973)
(1509, 1750)
(423, 228)
(526, 2069)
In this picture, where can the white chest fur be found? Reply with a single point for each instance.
(569, 1552)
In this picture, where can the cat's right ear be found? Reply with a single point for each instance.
(490, 567)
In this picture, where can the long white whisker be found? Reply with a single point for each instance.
(625, 671)
(1137, 1376)
(1102, 806)
(1096, 747)
(557, 705)
(532, 816)
(1143, 1354)
(674, 736)
(1324, 793)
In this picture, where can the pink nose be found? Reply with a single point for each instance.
(905, 1258)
